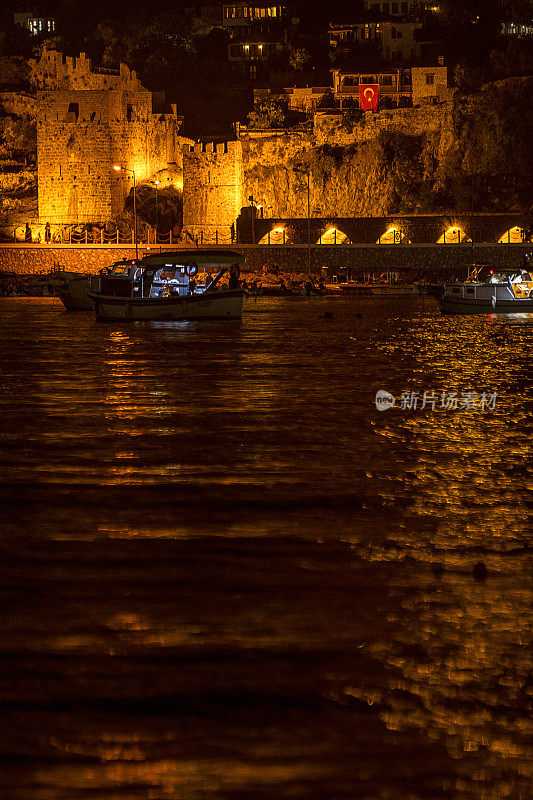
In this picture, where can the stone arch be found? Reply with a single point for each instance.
(333, 235)
(514, 235)
(278, 235)
(393, 235)
(453, 235)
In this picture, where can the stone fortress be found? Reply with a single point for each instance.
(88, 121)
(91, 119)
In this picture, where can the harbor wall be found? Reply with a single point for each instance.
(429, 260)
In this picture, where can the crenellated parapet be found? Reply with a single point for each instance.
(56, 71)
(231, 148)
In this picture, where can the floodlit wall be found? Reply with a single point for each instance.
(212, 189)
(81, 135)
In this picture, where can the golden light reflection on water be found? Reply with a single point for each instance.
(322, 551)
(175, 777)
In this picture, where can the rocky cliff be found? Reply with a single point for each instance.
(471, 151)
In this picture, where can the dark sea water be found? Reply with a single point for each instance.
(226, 575)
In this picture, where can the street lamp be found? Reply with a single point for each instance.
(156, 210)
(252, 201)
(307, 172)
(118, 168)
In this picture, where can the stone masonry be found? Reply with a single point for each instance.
(56, 72)
(213, 181)
(430, 261)
(82, 133)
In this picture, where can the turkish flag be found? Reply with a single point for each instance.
(368, 96)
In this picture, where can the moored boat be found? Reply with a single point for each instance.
(178, 285)
(74, 293)
(377, 289)
(488, 291)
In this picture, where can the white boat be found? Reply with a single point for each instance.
(386, 284)
(488, 291)
(177, 285)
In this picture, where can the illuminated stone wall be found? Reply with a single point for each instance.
(212, 190)
(81, 135)
(219, 179)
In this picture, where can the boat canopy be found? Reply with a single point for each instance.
(200, 258)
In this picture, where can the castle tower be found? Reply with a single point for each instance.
(83, 133)
(213, 180)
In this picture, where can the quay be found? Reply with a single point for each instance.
(428, 261)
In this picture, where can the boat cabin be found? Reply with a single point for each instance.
(167, 274)
(519, 281)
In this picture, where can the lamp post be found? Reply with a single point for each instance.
(306, 172)
(118, 168)
(156, 211)
(252, 201)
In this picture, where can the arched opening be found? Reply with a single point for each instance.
(514, 235)
(275, 236)
(333, 236)
(393, 236)
(453, 235)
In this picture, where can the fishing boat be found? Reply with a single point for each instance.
(74, 293)
(179, 285)
(488, 291)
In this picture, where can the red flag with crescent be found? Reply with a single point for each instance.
(368, 96)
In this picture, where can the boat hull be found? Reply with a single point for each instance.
(75, 295)
(465, 305)
(215, 305)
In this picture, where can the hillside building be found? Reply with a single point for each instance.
(397, 86)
